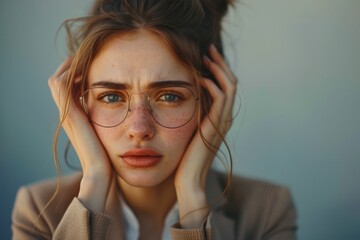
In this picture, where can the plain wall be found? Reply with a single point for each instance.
(298, 65)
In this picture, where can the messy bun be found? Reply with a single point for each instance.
(210, 14)
(188, 26)
(214, 11)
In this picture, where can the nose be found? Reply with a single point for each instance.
(141, 124)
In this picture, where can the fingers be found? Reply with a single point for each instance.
(228, 84)
(218, 59)
(63, 67)
(56, 82)
(213, 127)
(58, 76)
(97, 170)
(58, 85)
(218, 100)
(92, 155)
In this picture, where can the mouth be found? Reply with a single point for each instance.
(141, 158)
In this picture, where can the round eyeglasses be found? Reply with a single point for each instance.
(170, 107)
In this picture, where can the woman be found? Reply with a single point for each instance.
(146, 99)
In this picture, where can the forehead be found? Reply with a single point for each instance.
(137, 59)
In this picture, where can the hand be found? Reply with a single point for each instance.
(97, 170)
(190, 178)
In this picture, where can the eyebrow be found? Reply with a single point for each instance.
(169, 83)
(110, 84)
(153, 85)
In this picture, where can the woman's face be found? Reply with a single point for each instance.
(142, 152)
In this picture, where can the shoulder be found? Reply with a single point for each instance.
(259, 208)
(43, 191)
(252, 189)
(43, 203)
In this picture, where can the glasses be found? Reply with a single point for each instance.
(170, 107)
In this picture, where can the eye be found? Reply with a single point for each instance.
(111, 97)
(170, 97)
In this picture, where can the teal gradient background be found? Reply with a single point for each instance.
(298, 64)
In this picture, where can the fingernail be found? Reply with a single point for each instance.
(206, 59)
(213, 48)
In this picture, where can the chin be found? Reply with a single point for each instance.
(141, 179)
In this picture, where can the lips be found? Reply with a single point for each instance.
(141, 158)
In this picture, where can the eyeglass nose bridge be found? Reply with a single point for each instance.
(93, 102)
(147, 97)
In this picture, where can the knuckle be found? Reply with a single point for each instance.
(222, 99)
(51, 81)
(232, 90)
(221, 95)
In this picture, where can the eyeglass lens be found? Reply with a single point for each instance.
(171, 107)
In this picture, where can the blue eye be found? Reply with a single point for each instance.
(112, 98)
(169, 97)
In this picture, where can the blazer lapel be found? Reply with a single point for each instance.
(220, 223)
(214, 190)
(113, 209)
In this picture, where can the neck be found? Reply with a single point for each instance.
(150, 202)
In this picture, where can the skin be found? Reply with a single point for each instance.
(147, 60)
(182, 171)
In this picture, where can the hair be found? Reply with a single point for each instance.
(188, 27)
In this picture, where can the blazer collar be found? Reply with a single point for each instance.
(214, 191)
(218, 218)
(114, 210)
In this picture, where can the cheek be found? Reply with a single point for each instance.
(172, 141)
(106, 136)
(179, 138)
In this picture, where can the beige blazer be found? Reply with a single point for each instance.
(252, 210)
